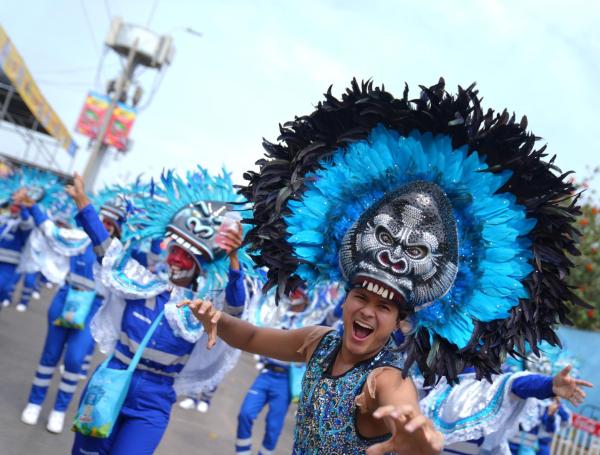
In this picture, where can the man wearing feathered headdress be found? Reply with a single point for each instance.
(203, 259)
(429, 210)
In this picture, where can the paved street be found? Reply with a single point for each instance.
(21, 338)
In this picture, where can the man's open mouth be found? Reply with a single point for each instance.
(361, 330)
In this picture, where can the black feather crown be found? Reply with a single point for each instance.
(308, 144)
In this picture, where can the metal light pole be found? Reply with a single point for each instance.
(142, 47)
(99, 148)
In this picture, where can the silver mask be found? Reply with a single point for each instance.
(405, 247)
(195, 227)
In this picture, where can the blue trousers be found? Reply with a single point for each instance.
(268, 388)
(77, 343)
(8, 280)
(142, 422)
(30, 284)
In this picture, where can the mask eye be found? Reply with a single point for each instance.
(193, 224)
(384, 237)
(417, 251)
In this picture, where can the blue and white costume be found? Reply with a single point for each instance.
(14, 232)
(538, 440)
(273, 385)
(31, 284)
(64, 256)
(176, 360)
(477, 417)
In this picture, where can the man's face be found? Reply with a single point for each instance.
(298, 301)
(182, 267)
(369, 320)
(109, 225)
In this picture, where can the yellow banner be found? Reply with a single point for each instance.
(14, 67)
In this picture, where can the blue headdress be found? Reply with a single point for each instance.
(431, 203)
(189, 212)
(116, 202)
(44, 188)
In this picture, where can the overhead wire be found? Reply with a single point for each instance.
(152, 11)
(89, 26)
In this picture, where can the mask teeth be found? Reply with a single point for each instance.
(180, 241)
(377, 289)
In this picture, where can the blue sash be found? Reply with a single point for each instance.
(106, 393)
(78, 305)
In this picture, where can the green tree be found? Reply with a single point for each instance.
(585, 276)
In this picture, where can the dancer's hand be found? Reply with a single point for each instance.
(567, 387)
(77, 191)
(20, 197)
(207, 314)
(411, 432)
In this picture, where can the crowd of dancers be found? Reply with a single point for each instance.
(397, 266)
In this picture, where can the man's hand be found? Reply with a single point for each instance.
(20, 196)
(232, 238)
(412, 432)
(77, 192)
(207, 314)
(567, 387)
(231, 241)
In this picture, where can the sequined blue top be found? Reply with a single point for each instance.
(326, 417)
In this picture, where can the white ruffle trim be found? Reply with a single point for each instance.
(68, 242)
(206, 368)
(39, 256)
(181, 320)
(126, 277)
(106, 323)
(476, 409)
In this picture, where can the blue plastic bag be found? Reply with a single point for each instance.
(106, 393)
(78, 305)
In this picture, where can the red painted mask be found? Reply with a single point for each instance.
(109, 225)
(178, 257)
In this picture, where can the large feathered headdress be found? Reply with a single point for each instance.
(189, 212)
(448, 205)
(43, 187)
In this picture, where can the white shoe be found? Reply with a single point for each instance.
(21, 308)
(35, 295)
(56, 422)
(5, 303)
(187, 404)
(202, 407)
(31, 414)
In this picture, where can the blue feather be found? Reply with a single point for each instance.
(494, 251)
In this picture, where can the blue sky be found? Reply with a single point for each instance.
(260, 63)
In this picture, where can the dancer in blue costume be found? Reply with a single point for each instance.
(17, 226)
(428, 210)
(31, 286)
(273, 386)
(478, 417)
(15, 230)
(65, 255)
(176, 360)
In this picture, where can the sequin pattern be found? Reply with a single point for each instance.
(325, 421)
